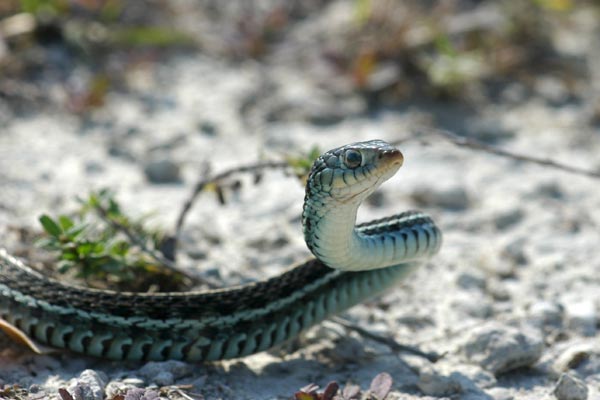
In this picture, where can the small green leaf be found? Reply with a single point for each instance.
(50, 226)
(65, 222)
(119, 248)
(74, 231)
(85, 248)
(98, 248)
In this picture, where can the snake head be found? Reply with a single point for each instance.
(352, 172)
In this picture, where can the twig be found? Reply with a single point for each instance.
(391, 343)
(474, 144)
(215, 179)
(156, 255)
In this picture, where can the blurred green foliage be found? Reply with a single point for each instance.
(419, 48)
(301, 164)
(91, 243)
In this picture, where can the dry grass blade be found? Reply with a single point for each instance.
(201, 185)
(474, 144)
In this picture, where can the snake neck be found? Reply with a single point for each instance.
(332, 235)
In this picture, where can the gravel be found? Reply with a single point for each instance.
(499, 348)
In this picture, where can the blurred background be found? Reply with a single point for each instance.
(361, 55)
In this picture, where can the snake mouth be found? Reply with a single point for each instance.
(391, 157)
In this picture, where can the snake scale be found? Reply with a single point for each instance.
(353, 262)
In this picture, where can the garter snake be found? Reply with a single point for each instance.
(353, 262)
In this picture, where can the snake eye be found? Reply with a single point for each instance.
(352, 158)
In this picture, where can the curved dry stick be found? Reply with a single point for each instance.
(474, 144)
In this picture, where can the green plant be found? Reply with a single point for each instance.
(104, 246)
(302, 163)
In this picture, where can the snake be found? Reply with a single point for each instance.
(352, 262)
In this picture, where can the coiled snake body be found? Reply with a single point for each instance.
(352, 263)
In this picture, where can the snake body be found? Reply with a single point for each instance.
(352, 263)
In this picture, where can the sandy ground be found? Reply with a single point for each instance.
(512, 299)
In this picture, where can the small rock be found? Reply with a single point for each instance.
(35, 388)
(153, 370)
(569, 387)
(115, 388)
(546, 314)
(507, 219)
(196, 254)
(119, 150)
(162, 171)
(473, 304)
(269, 242)
(208, 128)
(142, 394)
(164, 378)
(581, 317)
(471, 280)
(498, 348)
(432, 383)
(455, 198)
(550, 190)
(498, 290)
(89, 385)
(515, 252)
(93, 167)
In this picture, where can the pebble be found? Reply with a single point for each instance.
(208, 128)
(115, 388)
(118, 150)
(431, 383)
(569, 387)
(581, 317)
(506, 219)
(162, 171)
(473, 304)
(471, 280)
(515, 252)
(164, 378)
(165, 373)
(455, 198)
(551, 190)
(93, 167)
(141, 394)
(546, 314)
(498, 348)
(499, 291)
(89, 385)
